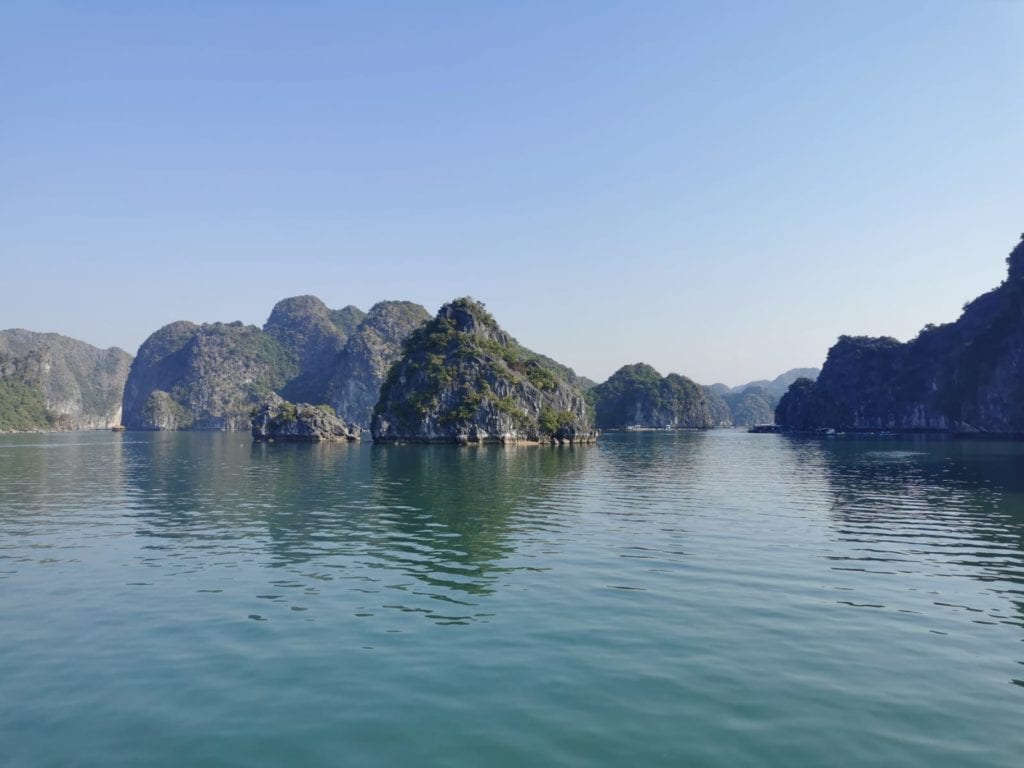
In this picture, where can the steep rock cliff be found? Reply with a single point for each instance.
(966, 376)
(53, 382)
(637, 395)
(204, 377)
(461, 378)
(304, 328)
(374, 345)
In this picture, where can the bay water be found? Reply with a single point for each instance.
(660, 599)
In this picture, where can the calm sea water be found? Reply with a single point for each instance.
(669, 599)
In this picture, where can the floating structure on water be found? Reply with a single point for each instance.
(766, 429)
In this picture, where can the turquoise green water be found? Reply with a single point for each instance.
(691, 599)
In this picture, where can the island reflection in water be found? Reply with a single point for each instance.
(658, 599)
(413, 526)
(931, 507)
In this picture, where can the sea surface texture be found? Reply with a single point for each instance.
(660, 599)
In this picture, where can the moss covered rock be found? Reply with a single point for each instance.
(462, 379)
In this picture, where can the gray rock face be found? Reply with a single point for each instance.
(53, 382)
(203, 377)
(369, 353)
(461, 379)
(964, 377)
(304, 328)
(210, 376)
(279, 420)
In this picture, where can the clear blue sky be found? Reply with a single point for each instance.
(717, 188)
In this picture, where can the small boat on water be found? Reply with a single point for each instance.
(117, 428)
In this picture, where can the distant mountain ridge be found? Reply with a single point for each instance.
(754, 402)
(780, 383)
(54, 382)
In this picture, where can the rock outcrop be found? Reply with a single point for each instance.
(52, 382)
(210, 376)
(962, 377)
(462, 379)
(370, 351)
(279, 420)
(204, 377)
(638, 396)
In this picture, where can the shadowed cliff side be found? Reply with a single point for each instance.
(961, 377)
(371, 349)
(304, 326)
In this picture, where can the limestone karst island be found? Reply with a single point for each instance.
(579, 384)
(315, 373)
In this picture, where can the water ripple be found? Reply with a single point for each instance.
(659, 599)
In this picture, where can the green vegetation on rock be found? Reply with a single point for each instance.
(752, 405)
(22, 407)
(463, 379)
(52, 382)
(637, 395)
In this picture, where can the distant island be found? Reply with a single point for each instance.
(458, 377)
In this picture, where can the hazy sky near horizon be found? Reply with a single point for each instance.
(717, 188)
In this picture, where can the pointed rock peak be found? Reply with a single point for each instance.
(467, 315)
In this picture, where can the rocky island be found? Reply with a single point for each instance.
(462, 379)
(962, 377)
(279, 420)
(638, 396)
(204, 377)
(52, 382)
(211, 376)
